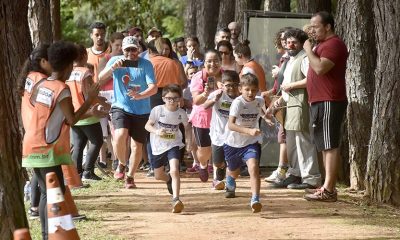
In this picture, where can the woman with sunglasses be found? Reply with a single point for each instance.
(225, 48)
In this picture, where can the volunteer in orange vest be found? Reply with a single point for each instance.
(46, 143)
(88, 128)
(99, 49)
(242, 54)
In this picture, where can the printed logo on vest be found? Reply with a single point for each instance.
(45, 96)
(29, 85)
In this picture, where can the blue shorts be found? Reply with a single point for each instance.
(237, 157)
(162, 159)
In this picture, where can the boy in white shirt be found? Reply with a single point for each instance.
(243, 138)
(221, 100)
(166, 140)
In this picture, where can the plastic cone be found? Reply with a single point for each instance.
(60, 224)
(69, 200)
(22, 234)
(71, 176)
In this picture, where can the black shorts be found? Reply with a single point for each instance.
(326, 120)
(163, 159)
(202, 136)
(134, 123)
(217, 155)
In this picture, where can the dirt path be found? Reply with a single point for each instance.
(144, 213)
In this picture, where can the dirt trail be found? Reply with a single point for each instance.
(145, 213)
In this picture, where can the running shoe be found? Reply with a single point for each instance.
(322, 195)
(278, 175)
(33, 214)
(221, 173)
(255, 206)
(177, 206)
(218, 185)
(120, 172)
(194, 169)
(130, 183)
(203, 174)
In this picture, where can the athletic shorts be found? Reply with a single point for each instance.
(134, 123)
(202, 136)
(326, 120)
(217, 155)
(237, 157)
(165, 157)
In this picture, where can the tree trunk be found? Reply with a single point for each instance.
(207, 22)
(39, 18)
(226, 13)
(243, 5)
(356, 25)
(190, 18)
(383, 178)
(55, 19)
(16, 46)
(277, 5)
(307, 6)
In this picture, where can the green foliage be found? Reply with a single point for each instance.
(77, 15)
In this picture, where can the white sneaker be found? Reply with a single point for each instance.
(277, 175)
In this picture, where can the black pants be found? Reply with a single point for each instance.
(35, 191)
(80, 137)
(41, 177)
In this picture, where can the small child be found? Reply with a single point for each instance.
(221, 101)
(243, 138)
(166, 140)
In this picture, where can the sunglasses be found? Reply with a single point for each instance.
(131, 49)
(231, 85)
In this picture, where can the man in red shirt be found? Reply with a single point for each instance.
(326, 87)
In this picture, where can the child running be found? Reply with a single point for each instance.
(243, 138)
(221, 101)
(166, 140)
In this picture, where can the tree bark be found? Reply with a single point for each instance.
(356, 25)
(40, 22)
(190, 18)
(383, 178)
(55, 19)
(277, 5)
(207, 22)
(226, 13)
(243, 5)
(307, 6)
(16, 46)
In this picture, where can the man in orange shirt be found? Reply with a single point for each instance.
(99, 48)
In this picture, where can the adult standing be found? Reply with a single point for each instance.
(301, 152)
(180, 47)
(193, 57)
(228, 62)
(99, 47)
(222, 34)
(235, 30)
(134, 83)
(326, 87)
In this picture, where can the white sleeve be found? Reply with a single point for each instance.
(64, 94)
(246, 70)
(235, 108)
(185, 120)
(154, 114)
(305, 65)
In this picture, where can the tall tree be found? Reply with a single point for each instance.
(226, 13)
(241, 6)
(16, 46)
(40, 22)
(355, 24)
(55, 19)
(207, 22)
(383, 178)
(307, 6)
(190, 18)
(277, 5)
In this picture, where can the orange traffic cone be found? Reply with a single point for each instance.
(71, 205)
(60, 224)
(22, 234)
(71, 176)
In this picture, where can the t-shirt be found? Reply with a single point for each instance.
(219, 118)
(142, 76)
(169, 121)
(196, 62)
(247, 115)
(166, 70)
(330, 86)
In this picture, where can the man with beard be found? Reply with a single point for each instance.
(99, 48)
(301, 152)
(235, 30)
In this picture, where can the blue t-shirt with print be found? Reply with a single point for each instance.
(196, 62)
(124, 76)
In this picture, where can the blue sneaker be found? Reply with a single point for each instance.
(256, 206)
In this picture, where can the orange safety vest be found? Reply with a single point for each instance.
(94, 59)
(75, 85)
(42, 147)
(26, 106)
(259, 72)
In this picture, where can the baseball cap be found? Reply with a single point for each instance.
(153, 29)
(130, 41)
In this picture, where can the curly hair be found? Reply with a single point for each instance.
(61, 54)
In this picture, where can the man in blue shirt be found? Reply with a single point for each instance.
(134, 83)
